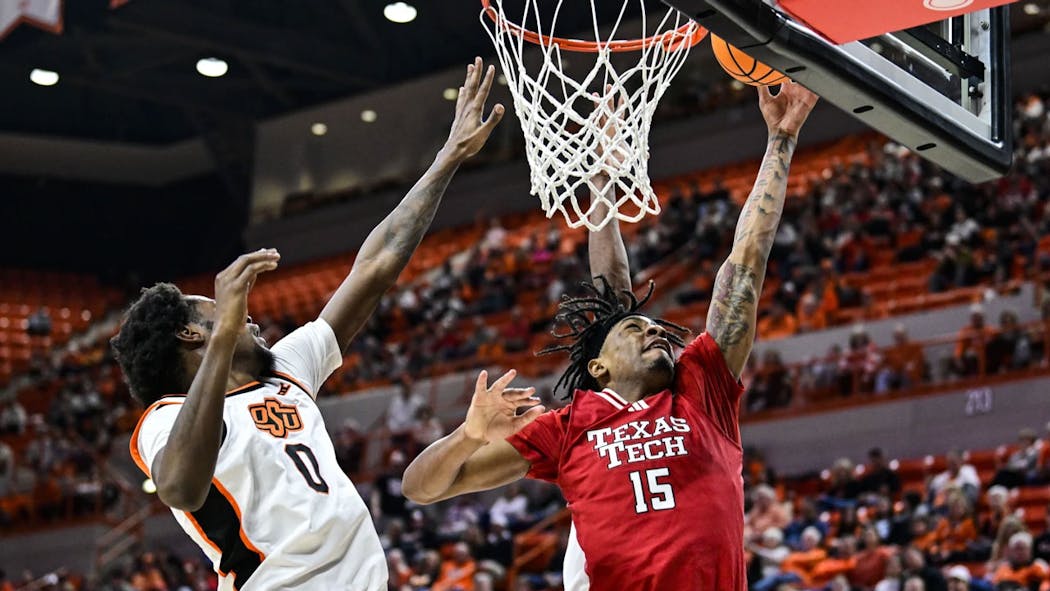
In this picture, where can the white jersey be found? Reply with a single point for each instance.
(574, 566)
(280, 513)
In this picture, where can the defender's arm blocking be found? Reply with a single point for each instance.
(386, 251)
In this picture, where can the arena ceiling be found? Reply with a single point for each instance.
(128, 74)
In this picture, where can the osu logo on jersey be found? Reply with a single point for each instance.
(276, 418)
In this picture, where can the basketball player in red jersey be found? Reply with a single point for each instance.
(648, 453)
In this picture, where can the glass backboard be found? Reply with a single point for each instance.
(940, 88)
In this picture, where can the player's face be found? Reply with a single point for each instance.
(250, 346)
(637, 349)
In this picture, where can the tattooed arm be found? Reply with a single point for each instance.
(388, 247)
(733, 313)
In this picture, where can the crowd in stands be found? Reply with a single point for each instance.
(893, 210)
(496, 300)
(879, 526)
(947, 530)
(52, 454)
(860, 366)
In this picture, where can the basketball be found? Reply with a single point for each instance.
(743, 67)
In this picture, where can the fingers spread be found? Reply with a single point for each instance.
(471, 85)
(486, 86)
(528, 416)
(503, 381)
(460, 99)
(495, 116)
(249, 272)
(517, 395)
(263, 254)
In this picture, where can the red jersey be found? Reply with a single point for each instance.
(654, 486)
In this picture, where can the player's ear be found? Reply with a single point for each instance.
(191, 335)
(596, 368)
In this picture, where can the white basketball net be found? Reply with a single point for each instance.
(570, 124)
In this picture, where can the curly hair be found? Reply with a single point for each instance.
(146, 346)
(589, 319)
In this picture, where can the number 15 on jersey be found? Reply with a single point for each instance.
(649, 492)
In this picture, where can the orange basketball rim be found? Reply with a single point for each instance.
(688, 34)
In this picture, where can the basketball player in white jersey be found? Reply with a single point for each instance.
(232, 437)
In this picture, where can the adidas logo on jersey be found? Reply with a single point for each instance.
(276, 418)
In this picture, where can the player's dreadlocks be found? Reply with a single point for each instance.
(589, 319)
(146, 347)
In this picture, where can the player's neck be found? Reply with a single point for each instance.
(239, 375)
(239, 378)
(245, 370)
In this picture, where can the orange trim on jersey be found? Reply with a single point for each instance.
(207, 540)
(251, 384)
(293, 380)
(133, 444)
(237, 510)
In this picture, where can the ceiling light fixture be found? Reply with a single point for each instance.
(318, 129)
(1031, 9)
(450, 94)
(212, 67)
(368, 116)
(43, 77)
(400, 12)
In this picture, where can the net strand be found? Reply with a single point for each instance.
(561, 117)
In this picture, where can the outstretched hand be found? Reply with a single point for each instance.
(493, 412)
(233, 284)
(788, 110)
(469, 132)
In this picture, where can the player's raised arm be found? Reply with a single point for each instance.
(734, 303)
(605, 248)
(476, 456)
(389, 246)
(184, 467)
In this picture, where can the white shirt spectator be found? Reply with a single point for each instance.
(7, 469)
(401, 414)
(555, 289)
(495, 236)
(429, 431)
(967, 476)
(505, 510)
(964, 229)
(771, 552)
(12, 418)
(408, 299)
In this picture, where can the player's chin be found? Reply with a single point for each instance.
(659, 356)
(662, 362)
